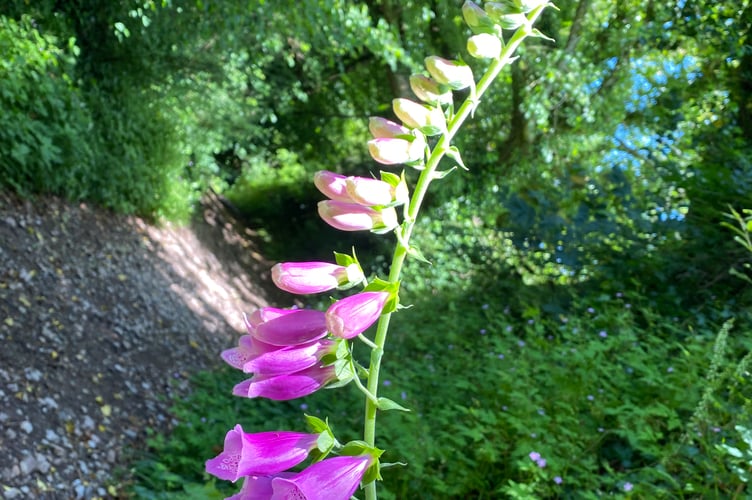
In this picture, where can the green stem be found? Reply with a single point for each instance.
(400, 251)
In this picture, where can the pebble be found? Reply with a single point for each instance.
(97, 335)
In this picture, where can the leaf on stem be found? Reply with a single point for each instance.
(386, 404)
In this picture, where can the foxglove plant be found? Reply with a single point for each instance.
(293, 353)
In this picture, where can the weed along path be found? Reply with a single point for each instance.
(102, 318)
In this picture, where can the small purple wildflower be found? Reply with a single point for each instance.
(600, 429)
(541, 411)
(670, 369)
(387, 383)
(482, 331)
(590, 310)
(590, 397)
(403, 395)
(541, 462)
(628, 306)
(509, 328)
(484, 306)
(521, 343)
(603, 334)
(628, 486)
(501, 356)
(716, 429)
(534, 456)
(303, 406)
(504, 408)
(558, 479)
(530, 321)
(619, 294)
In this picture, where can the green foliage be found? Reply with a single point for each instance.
(44, 117)
(610, 393)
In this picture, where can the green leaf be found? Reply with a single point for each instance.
(386, 404)
(316, 424)
(454, 153)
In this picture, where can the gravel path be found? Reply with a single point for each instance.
(102, 318)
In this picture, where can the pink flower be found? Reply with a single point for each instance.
(331, 479)
(427, 90)
(331, 185)
(370, 192)
(284, 387)
(354, 217)
(258, 487)
(289, 360)
(393, 151)
(351, 316)
(262, 453)
(295, 327)
(262, 315)
(383, 128)
(314, 277)
(248, 349)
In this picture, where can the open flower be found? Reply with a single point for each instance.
(263, 453)
(351, 316)
(314, 277)
(248, 348)
(289, 359)
(298, 326)
(355, 217)
(258, 487)
(335, 478)
(286, 386)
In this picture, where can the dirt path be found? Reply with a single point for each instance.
(101, 318)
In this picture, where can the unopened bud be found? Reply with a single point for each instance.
(429, 120)
(389, 151)
(476, 18)
(455, 74)
(381, 127)
(428, 90)
(484, 46)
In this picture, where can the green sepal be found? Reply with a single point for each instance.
(344, 260)
(342, 352)
(373, 473)
(391, 178)
(355, 448)
(379, 285)
(316, 424)
(431, 130)
(386, 404)
(325, 442)
(342, 369)
(454, 153)
(414, 252)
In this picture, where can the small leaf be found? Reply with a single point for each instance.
(316, 424)
(414, 252)
(386, 404)
(454, 153)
